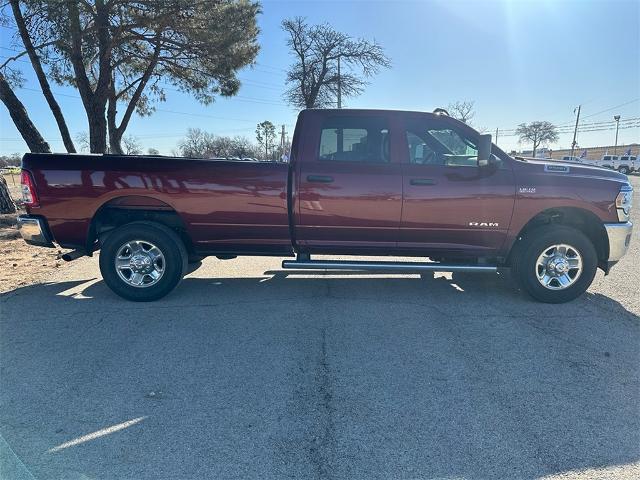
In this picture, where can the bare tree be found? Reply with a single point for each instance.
(539, 132)
(196, 144)
(131, 145)
(314, 77)
(462, 110)
(242, 147)
(200, 144)
(82, 139)
(266, 137)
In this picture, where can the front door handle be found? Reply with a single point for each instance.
(319, 178)
(422, 181)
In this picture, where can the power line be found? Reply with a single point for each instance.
(144, 137)
(568, 124)
(240, 98)
(586, 124)
(636, 125)
(252, 83)
(612, 108)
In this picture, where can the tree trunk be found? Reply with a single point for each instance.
(21, 119)
(42, 78)
(97, 129)
(115, 134)
(6, 204)
(115, 143)
(95, 102)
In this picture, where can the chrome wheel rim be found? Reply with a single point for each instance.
(140, 263)
(558, 267)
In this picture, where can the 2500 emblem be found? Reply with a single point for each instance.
(483, 224)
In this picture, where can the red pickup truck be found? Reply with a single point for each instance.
(360, 182)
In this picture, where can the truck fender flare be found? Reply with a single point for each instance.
(582, 219)
(133, 203)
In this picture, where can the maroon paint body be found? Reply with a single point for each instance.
(394, 208)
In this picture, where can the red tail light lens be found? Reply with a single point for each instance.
(29, 194)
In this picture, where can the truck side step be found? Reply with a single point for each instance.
(397, 267)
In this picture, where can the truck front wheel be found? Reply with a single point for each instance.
(143, 261)
(555, 263)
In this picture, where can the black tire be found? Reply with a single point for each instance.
(540, 240)
(193, 266)
(624, 170)
(174, 261)
(195, 259)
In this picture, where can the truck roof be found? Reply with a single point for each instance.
(374, 111)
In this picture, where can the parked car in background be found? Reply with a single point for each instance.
(569, 158)
(359, 182)
(627, 164)
(609, 161)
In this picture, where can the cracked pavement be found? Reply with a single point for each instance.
(248, 372)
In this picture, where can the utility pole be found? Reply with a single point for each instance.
(283, 136)
(496, 142)
(575, 131)
(339, 86)
(617, 119)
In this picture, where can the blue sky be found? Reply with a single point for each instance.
(519, 61)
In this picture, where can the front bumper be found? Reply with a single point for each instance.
(34, 231)
(619, 235)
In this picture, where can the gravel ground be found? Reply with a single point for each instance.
(22, 264)
(247, 372)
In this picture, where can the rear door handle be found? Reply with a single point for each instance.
(422, 181)
(319, 178)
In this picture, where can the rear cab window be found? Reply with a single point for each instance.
(354, 139)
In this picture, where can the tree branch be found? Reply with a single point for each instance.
(42, 78)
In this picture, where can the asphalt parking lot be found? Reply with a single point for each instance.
(248, 372)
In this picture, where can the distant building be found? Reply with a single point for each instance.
(596, 153)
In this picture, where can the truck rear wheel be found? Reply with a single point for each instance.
(555, 263)
(143, 261)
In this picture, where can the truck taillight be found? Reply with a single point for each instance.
(29, 194)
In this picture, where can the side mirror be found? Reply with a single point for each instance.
(484, 150)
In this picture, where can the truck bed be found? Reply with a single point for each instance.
(225, 206)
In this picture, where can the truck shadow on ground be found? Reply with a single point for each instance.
(295, 374)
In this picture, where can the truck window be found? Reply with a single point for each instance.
(354, 139)
(431, 145)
